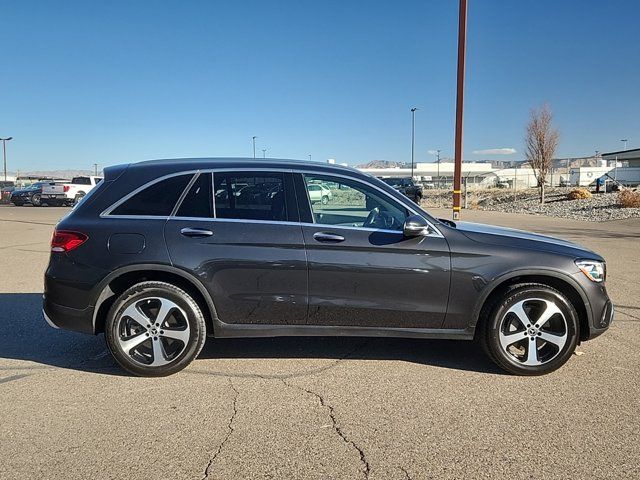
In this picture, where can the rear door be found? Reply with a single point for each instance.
(362, 270)
(239, 232)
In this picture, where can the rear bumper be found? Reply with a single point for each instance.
(66, 318)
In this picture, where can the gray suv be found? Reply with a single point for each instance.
(163, 253)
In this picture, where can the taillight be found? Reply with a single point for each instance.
(64, 241)
(65, 188)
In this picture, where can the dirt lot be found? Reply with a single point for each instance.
(315, 407)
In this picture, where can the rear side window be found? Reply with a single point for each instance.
(156, 200)
(198, 200)
(250, 196)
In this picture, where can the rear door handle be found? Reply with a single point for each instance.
(328, 237)
(196, 232)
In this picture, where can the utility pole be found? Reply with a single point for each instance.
(253, 139)
(462, 51)
(4, 154)
(624, 141)
(264, 153)
(95, 169)
(413, 136)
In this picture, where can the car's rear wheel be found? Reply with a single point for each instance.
(325, 199)
(531, 329)
(36, 200)
(155, 329)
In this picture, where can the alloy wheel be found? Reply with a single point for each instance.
(533, 332)
(153, 331)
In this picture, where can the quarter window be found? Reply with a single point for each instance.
(349, 203)
(250, 196)
(156, 200)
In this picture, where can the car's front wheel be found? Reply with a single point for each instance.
(155, 329)
(531, 329)
(324, 200)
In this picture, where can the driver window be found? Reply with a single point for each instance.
(348, 203)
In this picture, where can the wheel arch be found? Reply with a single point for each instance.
(121, 279)
(558, 280)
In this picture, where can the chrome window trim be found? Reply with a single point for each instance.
(275, 222)
(434, 231)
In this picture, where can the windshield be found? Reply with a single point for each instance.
(394, 181)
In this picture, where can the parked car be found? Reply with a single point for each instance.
(406, 186)
(69, 193)
(28, 195)
(319, 193)
(6, 187)
(150, 259)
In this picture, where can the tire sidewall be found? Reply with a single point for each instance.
(180, 298)
(500, 311)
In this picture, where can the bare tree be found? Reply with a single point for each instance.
(541, 141)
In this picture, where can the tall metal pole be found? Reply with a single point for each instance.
(438, 160)
(95, 169)
(413, 136)
(462, 50)
(264, 153)
(4, 155)
(624, 141)
(253, 139)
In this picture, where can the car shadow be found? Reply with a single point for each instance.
(26, 336)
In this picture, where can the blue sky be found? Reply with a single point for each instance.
(113, 82)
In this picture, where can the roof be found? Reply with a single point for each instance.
(623, 152)
(157, 168)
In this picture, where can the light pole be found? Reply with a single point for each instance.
(624, 141)
(309, 157)
(438, 160)
(4, 154)
(253, 139)
(462, 53)
(264, 153)
(95, 169)
(413, 136)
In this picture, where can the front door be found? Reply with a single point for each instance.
(235, 234)
(362, 270)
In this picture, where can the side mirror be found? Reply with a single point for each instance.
(415, 226)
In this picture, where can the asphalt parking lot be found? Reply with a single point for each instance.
(315, 407)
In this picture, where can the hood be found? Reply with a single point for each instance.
(19, 191)
(519, 238)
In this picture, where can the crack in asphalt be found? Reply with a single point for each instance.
(229, 433)
(621, 310)
(406, 473)
(283, 376)
(14, 377)
(336, 426)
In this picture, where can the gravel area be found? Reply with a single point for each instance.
(601, 207)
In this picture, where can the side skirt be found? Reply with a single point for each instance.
(239, 330)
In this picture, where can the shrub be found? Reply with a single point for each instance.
(578, 194)
(629, 199)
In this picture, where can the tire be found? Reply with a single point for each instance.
(150, 350)
(36, 200)
(324, 200)
(507, 339)
(78, 197)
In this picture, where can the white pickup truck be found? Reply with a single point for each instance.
(69, 193)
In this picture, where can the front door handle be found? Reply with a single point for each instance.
(328, 237)
(196, 232)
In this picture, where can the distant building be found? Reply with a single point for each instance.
(628, 158)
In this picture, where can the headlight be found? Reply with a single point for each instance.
(594, 270)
